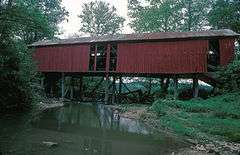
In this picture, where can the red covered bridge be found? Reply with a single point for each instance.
(164, 54)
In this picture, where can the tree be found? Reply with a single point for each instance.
(53, 13)
(17, 74)
(195, 14)
(156, 16)
(98, 18)
(168, 15)
(225, 14)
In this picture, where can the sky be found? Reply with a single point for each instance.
(74, 7)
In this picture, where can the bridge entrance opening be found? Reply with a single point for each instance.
(213, 54)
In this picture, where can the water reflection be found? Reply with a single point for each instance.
(93, 130)
(97, 117)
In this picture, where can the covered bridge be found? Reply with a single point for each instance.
(163, 54)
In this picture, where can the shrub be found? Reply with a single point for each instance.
(230, 76)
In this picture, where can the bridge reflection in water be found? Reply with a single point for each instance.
(96, 132)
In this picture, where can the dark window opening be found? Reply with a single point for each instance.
(213, 54)
(92, 58)
(98, 57)
(113, 58)
(101, 57)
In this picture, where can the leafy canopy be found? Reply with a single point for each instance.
(99, 18)
(225, 14)
(22, 22)
(168, 15)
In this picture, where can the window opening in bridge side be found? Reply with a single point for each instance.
(113, 58)
(213, 54)
(91, 57)
(101, 57)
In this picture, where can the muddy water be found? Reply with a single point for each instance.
(83, 129)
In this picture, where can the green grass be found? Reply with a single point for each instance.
(219, 116)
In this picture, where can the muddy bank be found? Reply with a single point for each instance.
(199, 147)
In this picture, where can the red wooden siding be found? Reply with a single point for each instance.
(163, 57)
(62, 58)
(226, 50)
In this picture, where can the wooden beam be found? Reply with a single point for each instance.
(129, 89)
(42, 81)
(97, 86)
(80, 87)
(175, 85)
(107, 89)
(113, 90)
(120, 90)
(71, 88)
(120, 85)
(95, 57)
(62, 85)
(108, 57)
(195, 87)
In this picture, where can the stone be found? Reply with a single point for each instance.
(200, 148)
(50, 144)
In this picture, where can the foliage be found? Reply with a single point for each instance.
(195, 14)
(98, 18)
(225, 14)
(15, 92)
(168, 15)
(19, 21)
(157, 16)
(50, 11)
(230, 76)
(199, 118)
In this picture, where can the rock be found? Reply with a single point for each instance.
(50, 144)
(201, 148)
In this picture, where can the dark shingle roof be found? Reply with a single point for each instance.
(139, 37)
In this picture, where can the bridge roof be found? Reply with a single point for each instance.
(139, 37)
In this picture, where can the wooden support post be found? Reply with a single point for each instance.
(120, 90)
(107, 89)
(62, 86)
(195, 87)
(149, 86)
(80, 87)
(175, 83)
(164, 86)
(71, 88)
(42, 82)
(95, 57)
(113, 90)
(120, 85)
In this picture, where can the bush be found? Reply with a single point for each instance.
(16, 76)
(230, 76)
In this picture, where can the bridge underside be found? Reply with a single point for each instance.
(70, 85)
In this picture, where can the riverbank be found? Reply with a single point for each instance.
(212, 125)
